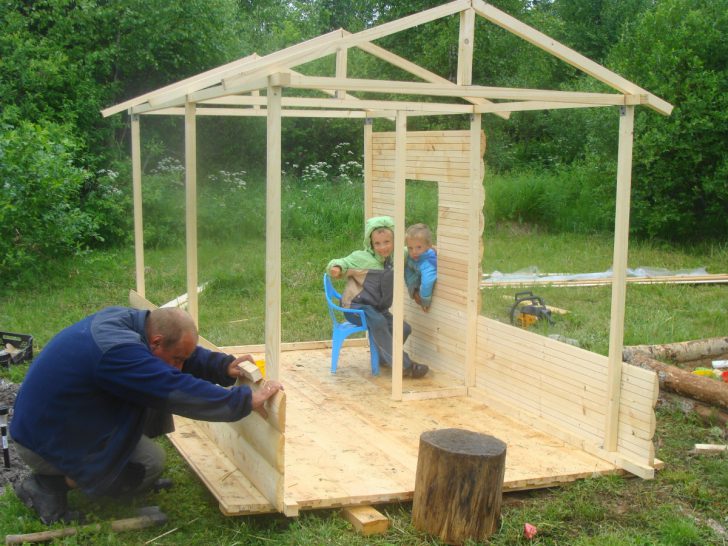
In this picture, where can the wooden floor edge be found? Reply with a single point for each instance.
(294, 346)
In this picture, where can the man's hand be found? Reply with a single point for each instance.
(233, 370)
(260, 396)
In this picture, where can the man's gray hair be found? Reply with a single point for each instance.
(172, 323)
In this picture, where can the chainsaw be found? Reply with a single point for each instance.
(528, 310)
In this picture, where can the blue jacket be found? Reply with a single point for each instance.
(421, 273)
(82, 406)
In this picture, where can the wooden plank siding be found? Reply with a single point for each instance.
(563, 389)
(443, 157)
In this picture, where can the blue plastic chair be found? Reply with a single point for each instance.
(342, 328)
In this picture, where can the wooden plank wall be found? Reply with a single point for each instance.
(438, 337)
(562, 390)
(549, 385)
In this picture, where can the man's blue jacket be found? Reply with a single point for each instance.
(83, 403)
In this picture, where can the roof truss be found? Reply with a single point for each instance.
(234, 88)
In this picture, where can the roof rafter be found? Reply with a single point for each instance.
(254, 73)
(568, 55)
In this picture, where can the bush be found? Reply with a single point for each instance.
(40, 205)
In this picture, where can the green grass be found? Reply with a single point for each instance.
(682, 506)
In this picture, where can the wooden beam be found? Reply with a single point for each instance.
(260, 112)
(420, 88)
(400, 187)
(341, 58)
(404, 23)
(465, 47)
(566, 54)
(417, 70)
(273, 236)
(301, 56)
(366, 520)
(523, 106)
(197, 81)
(215, 76)
(474, 230)
(368, 162)
(619, 268)
(191, 209)
(349, 104)
(136, 177)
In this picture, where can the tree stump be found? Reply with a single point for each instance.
(458, 485)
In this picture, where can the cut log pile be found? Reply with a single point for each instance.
(703, 395)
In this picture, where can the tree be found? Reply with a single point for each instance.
(679, 52)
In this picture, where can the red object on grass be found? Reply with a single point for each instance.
(529, 531)
(724, 376)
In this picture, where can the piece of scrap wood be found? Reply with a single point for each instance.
(251, 371)
(709, 448)
(366, 519)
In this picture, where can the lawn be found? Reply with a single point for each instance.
(687, 502)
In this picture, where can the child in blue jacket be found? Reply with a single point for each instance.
(420, 270)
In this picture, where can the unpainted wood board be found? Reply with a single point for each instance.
(436, 156)
(636, 423)
(346, 426)
(563, 410)
(496, 332)
(235, 493)
(430, 138)
(382, 419)
(452, 221)
(426, 135)
(446, 270)
(422, 158)
(422, 174)
(453, 147)
(267, 479)
(452, 171)
(568, 372)
(366, 520)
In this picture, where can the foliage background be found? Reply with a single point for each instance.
(62, 61)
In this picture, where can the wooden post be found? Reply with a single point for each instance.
(273, 231)
(136, 176)
(191, 207)
(397, 309)
(458, 485)
(619, 279)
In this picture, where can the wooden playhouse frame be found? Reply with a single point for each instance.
(583, 412)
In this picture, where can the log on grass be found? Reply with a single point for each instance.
(672, 378)
(708, 414)
(684, 351)
(458, 485)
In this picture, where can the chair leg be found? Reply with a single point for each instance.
(374, 355)
(335, 350)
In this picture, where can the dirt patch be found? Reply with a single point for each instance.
(18, 470)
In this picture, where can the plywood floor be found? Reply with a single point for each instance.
(348, 442)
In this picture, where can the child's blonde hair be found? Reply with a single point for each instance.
(421, 232)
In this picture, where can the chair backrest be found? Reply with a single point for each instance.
(333, 298)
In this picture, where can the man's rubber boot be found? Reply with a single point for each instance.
(417, 370)
(47, 496)
(162, 484)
